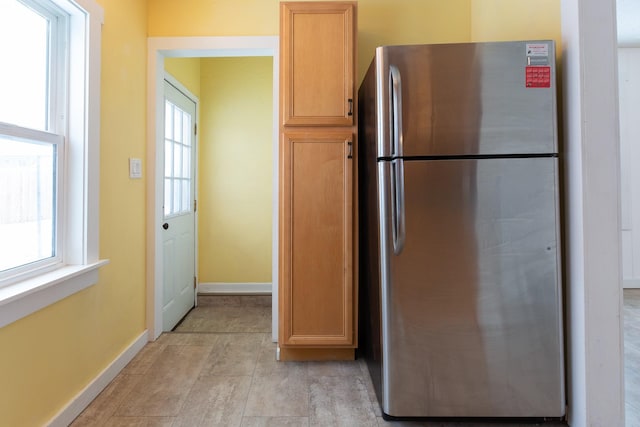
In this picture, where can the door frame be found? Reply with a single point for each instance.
(183, 47)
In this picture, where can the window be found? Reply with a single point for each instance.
(49, 147)
(31, 136)
(177, 160)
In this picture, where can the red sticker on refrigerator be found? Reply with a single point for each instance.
(538, 76)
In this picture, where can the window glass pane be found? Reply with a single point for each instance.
(167, 197)
(177, 160)
(186, 162)
(24, 85)
(186, 129)
(186, 196)
(168, 122)
(177, 117)
(176, 197)
(168, 158)
(27, 207)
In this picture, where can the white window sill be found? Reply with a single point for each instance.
(27, 297)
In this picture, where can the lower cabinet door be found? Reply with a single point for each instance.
(316, 240)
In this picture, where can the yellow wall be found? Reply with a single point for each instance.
(379, 21)
(235, 170)
(186, 71)
(212, 18)
(50, 356)
(498, 20)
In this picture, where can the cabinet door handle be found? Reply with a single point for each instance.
(350, 152)
(350, 113)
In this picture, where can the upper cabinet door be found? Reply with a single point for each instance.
(317, 51)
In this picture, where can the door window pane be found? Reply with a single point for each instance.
(176, 197)
(186, 195)
(168, 123)
(177, 160)
(168, 157)
(186, 162)
(24, 76)
(177, 117)
(167, 197)
(186, 129)
(27, 202)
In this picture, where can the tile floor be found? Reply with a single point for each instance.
(632, 356)
(218, 368)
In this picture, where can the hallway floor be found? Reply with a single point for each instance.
(218, 368)
(632, 356)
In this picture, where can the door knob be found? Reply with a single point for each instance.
(165, 225)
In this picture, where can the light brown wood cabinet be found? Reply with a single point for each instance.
(317, 292)
(317, 51)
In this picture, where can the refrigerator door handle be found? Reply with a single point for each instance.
(397, 174)
(397, 202)
(397, 148)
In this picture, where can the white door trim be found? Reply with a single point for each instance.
(591, 158)
(180, 47)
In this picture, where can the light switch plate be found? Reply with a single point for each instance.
(135, 168)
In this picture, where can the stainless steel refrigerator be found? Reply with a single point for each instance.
(461, 309)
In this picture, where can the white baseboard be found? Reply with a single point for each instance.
(235, 288)
(630, 283)
(99, 383)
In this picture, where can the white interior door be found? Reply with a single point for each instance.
(178, 234)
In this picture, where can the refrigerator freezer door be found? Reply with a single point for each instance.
(468, 98)
(471, 308)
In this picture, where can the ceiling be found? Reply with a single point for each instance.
(628, 22)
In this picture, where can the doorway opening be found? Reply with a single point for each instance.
(201, 47)
(628, 37)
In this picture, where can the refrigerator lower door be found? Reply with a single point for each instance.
(471, 307)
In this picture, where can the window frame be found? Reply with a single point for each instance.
(25, 271)
(53, 133)
(79, 170)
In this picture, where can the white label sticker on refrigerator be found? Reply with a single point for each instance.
(537, 49)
